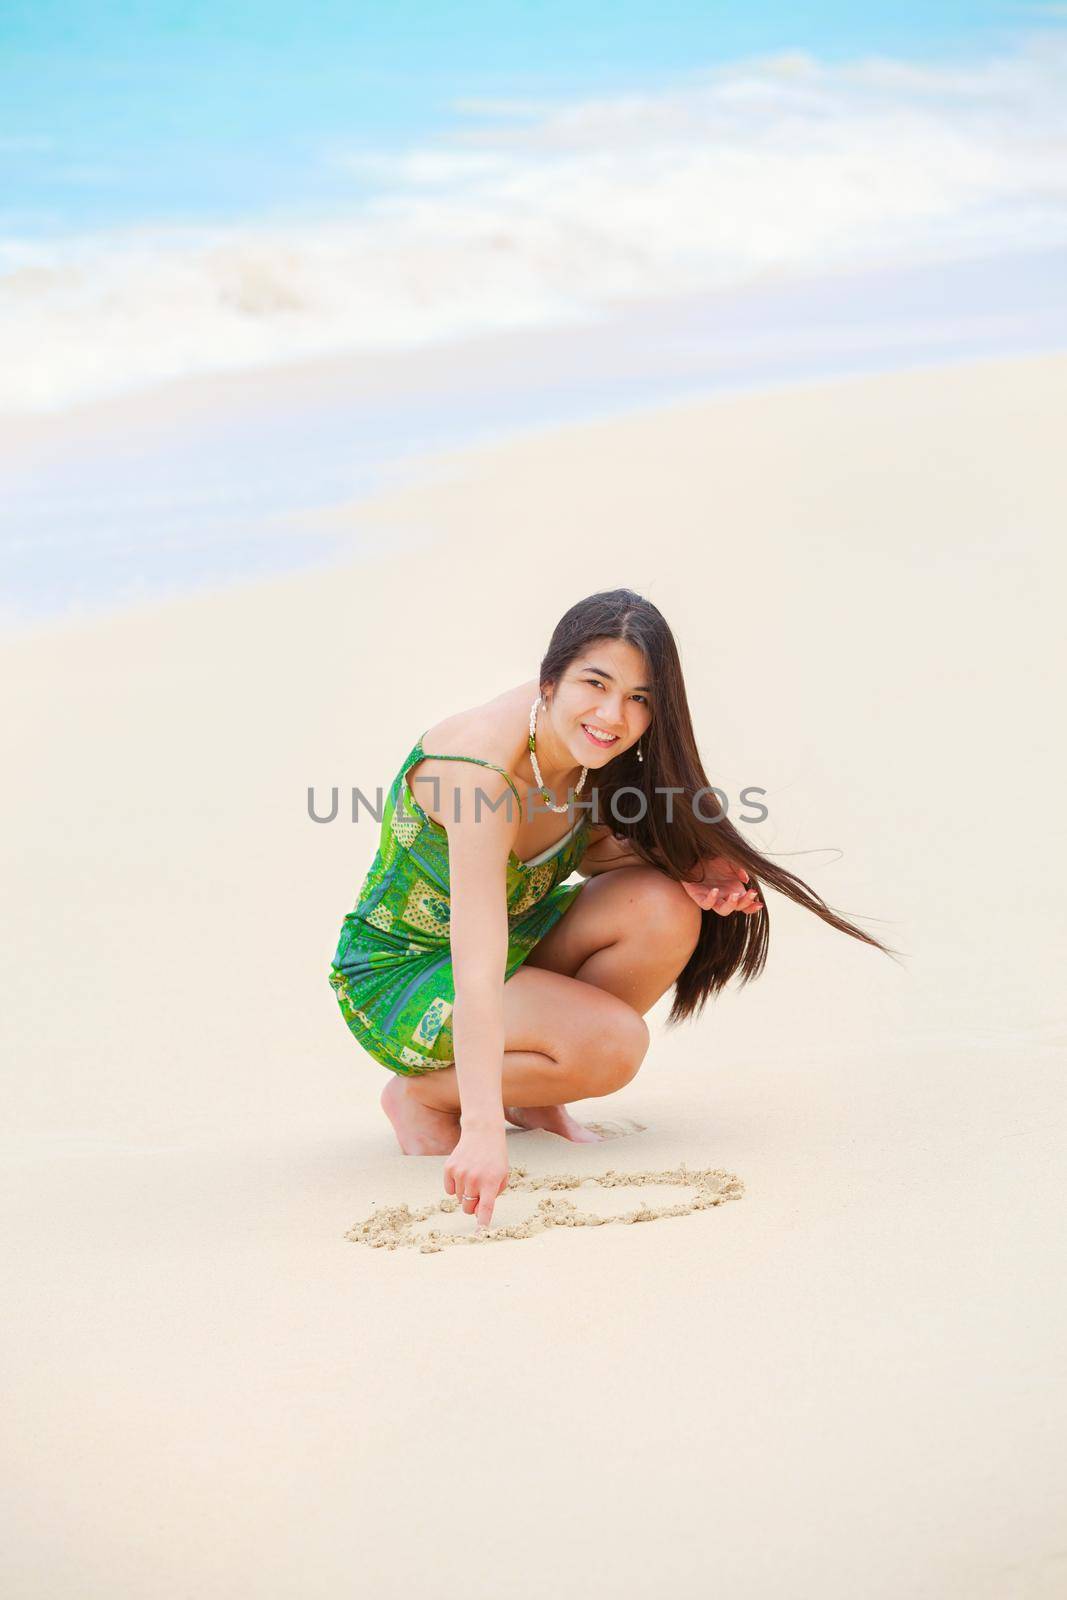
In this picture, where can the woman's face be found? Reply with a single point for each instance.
(607, 689)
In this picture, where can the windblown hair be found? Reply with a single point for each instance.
(729, 945)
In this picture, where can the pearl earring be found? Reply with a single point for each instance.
(640, 757)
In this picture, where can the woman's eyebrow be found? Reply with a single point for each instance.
(602, 673)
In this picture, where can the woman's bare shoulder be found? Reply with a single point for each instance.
(492, 731)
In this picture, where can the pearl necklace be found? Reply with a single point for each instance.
(537, 770)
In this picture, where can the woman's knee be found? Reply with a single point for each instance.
(663, 913)
(620, 1047)
(596, 1041)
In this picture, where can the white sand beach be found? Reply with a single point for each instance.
(846, 1381)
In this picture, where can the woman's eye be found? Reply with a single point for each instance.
(595, 683)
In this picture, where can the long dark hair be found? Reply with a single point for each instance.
(731, 945)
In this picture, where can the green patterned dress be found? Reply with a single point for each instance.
(392, 969)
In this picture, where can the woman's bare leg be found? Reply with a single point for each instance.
(629, 941)
(566, 1041)
(630, 932)
(424, 1110)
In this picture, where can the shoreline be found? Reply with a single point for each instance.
(332, 522)
(207, 482)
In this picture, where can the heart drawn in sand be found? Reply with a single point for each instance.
(392, 1227)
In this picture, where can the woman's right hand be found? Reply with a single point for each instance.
(478, 1167)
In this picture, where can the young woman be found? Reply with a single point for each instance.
(490, 987)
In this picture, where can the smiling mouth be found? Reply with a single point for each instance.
(599, 739)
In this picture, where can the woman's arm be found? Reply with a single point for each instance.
(478, 850)
(477, 865)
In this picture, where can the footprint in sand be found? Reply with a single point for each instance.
(434, 1227)
(616, 1127)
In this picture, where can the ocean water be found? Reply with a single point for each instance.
(209, 188)
(566, 210)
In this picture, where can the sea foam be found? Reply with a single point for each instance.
(555, 214)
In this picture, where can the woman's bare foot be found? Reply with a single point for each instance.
(420, 1130)
(557, 1119)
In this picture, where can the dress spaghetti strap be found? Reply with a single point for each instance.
(428, 756)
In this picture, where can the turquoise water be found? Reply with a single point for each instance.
(114, 113)
(496, 217)
(213, 188)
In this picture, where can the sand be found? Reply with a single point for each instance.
(846, 1381)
